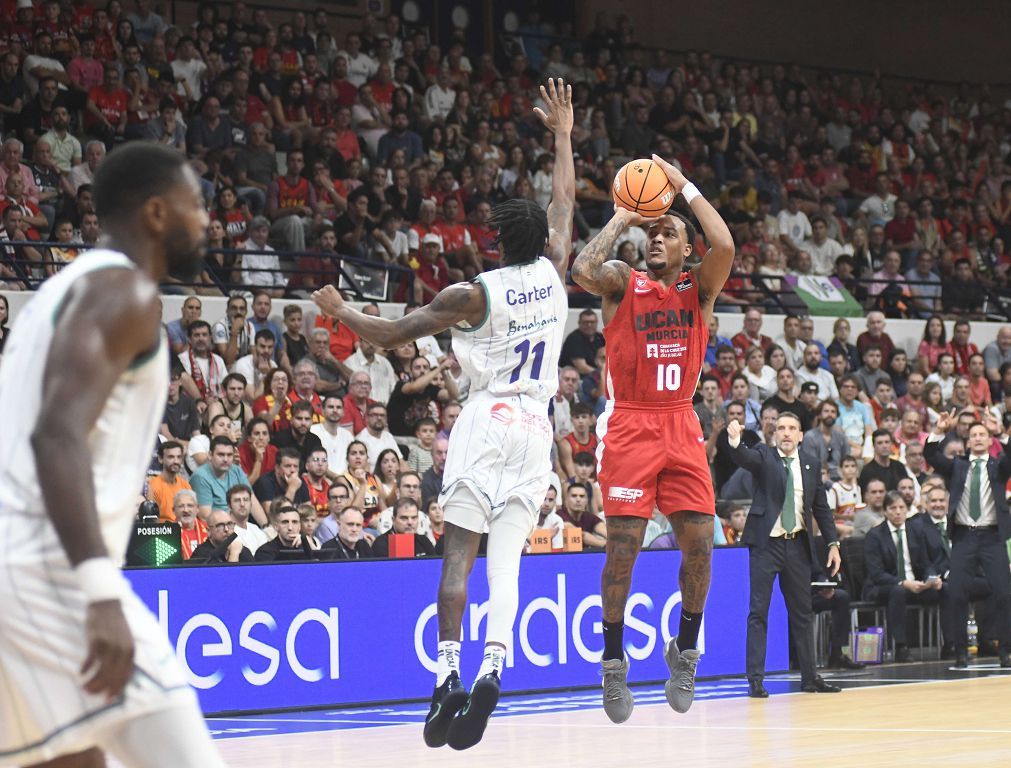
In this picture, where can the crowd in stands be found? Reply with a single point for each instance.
(317, 140)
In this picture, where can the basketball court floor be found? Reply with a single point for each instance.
(927, 714)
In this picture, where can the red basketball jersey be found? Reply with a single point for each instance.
(656, 341)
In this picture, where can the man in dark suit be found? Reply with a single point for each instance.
(900, 569)
(405, 520)
(788, 499)
(979, 526)
(349, 543)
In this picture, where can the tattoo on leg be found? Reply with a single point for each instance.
(624, 540)
(458, 559)
(694, 532)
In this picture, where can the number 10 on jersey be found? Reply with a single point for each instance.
(523, 350)
(668, 377)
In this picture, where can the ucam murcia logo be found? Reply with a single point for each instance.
(503, 413)
(620, 493)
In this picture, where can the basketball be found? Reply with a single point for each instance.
(642, 186)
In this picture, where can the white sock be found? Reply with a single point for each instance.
(448, 660)
(493, 661)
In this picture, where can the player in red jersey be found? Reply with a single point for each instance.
(651, 450)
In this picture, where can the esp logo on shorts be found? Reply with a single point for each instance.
(503, 413)
(620, 493)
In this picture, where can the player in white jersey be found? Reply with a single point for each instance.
(84, 666)
(507, 334)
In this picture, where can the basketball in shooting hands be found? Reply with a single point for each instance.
(641, 186)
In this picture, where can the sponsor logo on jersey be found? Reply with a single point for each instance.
(683, 285)
(534, 325)
(660, 351)
(620, 493)
(641, 285)
(503, 413)
(666, 324)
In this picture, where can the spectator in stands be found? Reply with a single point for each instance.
(761, 377)
(289, 544)
(577, 514)
(812, 371)
(962, 294)
(256, 455)
(213, 479)
(827, 441)
(262, 269)
(823, 249)
(870, 373)
(333, 435)
(944, 376)
(107, 107)
(875, 335)
(366, 489)
(873, 512)
(84, 173)
(751, 335)
(193, 531)
(338, 497)
(210, 130)
(933, 344)
(431, 480)
(66, 149)
(217, 548)
(415, 398)
(255, 168)
(883, 467)
(291, 204)
(316, 482)
(405, 521)
(376, 437)
(960, 347)
(284, 481)
(785, 398)
(924, 284)
(206, 370)
(349, 543)
(163, 487)
(995, 355)
(301, 416)
(791, 343)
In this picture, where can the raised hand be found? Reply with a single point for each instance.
(557, 98)
(674, 175)
(945, 421)
(734, 429)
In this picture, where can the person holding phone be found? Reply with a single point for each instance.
(901, 571)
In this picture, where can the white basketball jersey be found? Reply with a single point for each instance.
(515, 349)
(120, 444)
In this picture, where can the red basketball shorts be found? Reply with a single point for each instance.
(653, 455)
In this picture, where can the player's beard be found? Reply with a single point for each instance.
(185, 257)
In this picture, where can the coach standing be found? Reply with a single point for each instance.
(788, 499)
(980, 524)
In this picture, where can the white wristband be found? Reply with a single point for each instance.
(99, 579)
(690, 192)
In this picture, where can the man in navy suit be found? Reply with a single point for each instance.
(979, 524)
(902, 567)
(788, 499)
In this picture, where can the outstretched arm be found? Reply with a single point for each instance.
(452, 305)
(715, 268)
(558, 118)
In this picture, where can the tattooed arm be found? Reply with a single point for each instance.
(558, 118)
(594, 269)
(452, 305)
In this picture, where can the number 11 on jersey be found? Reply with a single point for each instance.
(523, 350)
(668, 378)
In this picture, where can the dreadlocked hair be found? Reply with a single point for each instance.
(522, 230)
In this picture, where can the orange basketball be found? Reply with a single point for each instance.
(642, 186)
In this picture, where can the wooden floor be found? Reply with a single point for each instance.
(953, 724)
